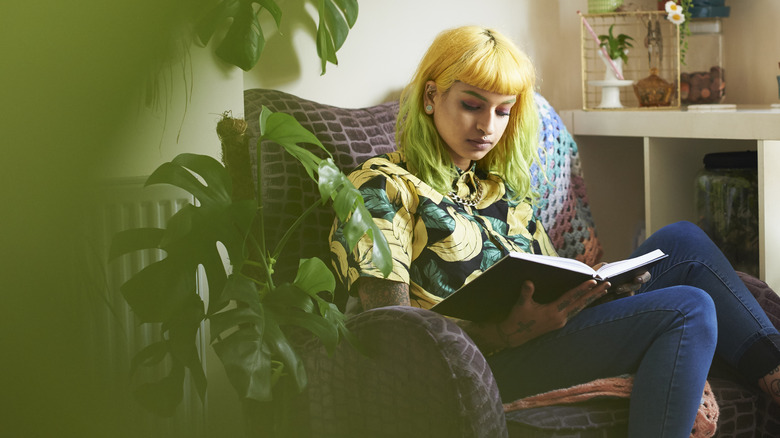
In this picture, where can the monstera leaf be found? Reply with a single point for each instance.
(244, 41)
(336, 19)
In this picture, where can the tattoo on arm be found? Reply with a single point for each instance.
(521, 327)
(377, 292)
(566, 303)
(772, 382)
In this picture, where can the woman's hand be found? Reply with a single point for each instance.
(529, 319)
(631, 287)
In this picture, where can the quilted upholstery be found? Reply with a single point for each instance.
(424, 376)
(379, 395)
(351, 135)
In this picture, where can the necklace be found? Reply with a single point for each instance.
(472, 201)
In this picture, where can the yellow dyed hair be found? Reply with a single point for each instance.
(488, 60)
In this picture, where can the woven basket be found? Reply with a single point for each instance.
(603, 6)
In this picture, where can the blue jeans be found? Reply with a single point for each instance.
(665, 335)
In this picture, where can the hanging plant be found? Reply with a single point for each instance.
(680, 14)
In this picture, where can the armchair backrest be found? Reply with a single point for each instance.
(354, 135)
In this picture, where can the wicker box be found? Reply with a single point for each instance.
(641, 88)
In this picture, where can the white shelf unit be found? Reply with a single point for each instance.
(640, 168)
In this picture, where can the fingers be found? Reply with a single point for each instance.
(527, 291)
(633, 286)
(575, 300)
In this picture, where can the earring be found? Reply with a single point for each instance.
(428, 109)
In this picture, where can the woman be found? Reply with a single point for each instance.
(456, 196)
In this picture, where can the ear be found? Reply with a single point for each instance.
(429, 93)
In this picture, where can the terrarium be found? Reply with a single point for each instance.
(727, 205)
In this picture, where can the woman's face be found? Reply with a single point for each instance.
(470, 120)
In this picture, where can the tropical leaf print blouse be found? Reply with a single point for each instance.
(437, 245)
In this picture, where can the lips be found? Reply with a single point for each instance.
(480, 143)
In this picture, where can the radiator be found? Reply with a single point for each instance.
(116, 335)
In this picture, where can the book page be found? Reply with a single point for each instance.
(614, 268)
(561, 262)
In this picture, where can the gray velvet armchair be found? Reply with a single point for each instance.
(422, 376)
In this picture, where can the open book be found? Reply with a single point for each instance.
(493, 293)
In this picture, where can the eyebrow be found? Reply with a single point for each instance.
(483, 98)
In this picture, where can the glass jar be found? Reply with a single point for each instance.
(702, 76)
(727, 206)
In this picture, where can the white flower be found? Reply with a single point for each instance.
(676, 17)
(673, 8)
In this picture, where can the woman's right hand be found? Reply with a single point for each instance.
(529, 319)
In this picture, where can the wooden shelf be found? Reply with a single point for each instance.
(746, 123)
(658, 154)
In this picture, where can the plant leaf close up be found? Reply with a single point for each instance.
(349, 208)
(336, 18)
(244, 41)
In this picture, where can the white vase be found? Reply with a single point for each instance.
(609, 73)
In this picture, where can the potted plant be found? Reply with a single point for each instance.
(250, 316)
(616, 47)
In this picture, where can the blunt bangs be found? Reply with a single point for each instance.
(494, 66)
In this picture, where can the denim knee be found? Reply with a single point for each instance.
(698, 311)
(684, 231)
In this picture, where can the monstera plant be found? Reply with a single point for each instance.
(250, 316)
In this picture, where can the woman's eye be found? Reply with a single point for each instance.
(469, 107)
(503, 112)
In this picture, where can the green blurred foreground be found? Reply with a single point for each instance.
(69, 74)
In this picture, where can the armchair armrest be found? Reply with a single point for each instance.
(766, 297)
(421, 376)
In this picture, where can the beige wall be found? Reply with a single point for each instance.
(382, 50)
(752, 51)
(191, 94)
(381, 54)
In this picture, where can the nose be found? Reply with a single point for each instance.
(486, 124)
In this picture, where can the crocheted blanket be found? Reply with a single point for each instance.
(704, 427)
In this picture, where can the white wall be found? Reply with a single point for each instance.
(389, 38)
(752, 51)
(191, 94)
(383, 48)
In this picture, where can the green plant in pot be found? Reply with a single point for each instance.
(616, 46)
(250, 316)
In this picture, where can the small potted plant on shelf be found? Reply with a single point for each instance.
(613, 51)
(617, 46)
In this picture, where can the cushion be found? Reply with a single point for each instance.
(351, 135)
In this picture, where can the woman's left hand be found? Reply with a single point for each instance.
(630, 288)
(623, 290)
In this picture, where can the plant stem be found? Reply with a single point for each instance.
(264, 264)
(293, 227)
